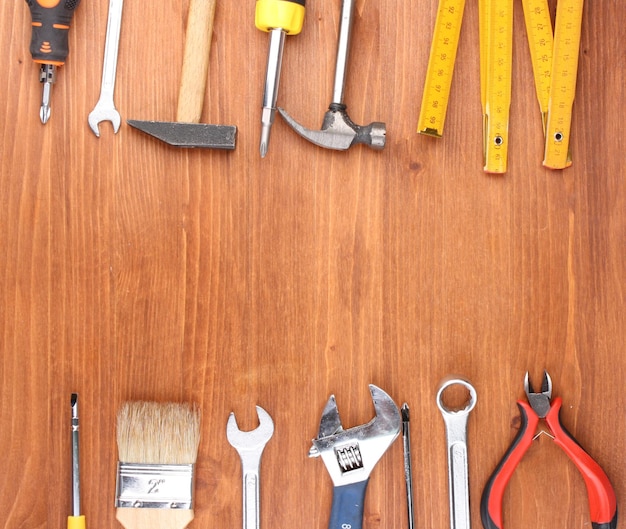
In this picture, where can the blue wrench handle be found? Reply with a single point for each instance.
(347, 509)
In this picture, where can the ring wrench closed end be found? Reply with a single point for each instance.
(456, 436)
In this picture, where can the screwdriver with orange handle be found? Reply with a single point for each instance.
(49, 47)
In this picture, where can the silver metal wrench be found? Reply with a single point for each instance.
(105, 107)
(456, 436)
(250, 447)
(351, 455)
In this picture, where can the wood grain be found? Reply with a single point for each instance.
(132, 270)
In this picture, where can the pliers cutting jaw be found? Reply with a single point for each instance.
(602, 501)
(539, 402)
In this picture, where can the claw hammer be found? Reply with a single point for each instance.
(338, 131)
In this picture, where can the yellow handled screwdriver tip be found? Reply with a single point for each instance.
(76, 520)
(278, 18)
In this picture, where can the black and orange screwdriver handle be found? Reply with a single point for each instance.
(51, 21)
(602, 501)
(49, 46)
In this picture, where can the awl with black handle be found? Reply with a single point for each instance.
(187, 131)
(49, 46)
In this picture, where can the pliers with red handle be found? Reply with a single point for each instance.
(602, 501)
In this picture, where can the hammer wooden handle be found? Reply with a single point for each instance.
(195, 61)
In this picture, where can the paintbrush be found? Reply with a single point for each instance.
(158, 446)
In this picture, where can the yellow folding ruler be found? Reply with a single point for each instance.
(540, 42)
(440, 67)
(555, 62)
(496, 22)
(496, 39)
(567, 29)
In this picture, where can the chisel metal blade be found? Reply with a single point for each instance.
(190, 135)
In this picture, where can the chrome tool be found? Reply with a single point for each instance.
(105, 107)
(350, 455)
(456, 437)
(249, 446)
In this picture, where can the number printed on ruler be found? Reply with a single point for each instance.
(499, 42)
(567, 28)
(540, 42)
(440, 67)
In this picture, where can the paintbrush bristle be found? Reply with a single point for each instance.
(158, 433)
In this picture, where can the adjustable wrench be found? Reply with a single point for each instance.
(250, 447)
(350, 455)
(456, 436)
(105, 107)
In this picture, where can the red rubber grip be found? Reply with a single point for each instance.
(602, 501)
(491, 501)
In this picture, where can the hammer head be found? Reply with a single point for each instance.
(191, 135)
(338, 131)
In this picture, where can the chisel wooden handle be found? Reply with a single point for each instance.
(195, 60)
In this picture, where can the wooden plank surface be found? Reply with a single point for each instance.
(131, 270)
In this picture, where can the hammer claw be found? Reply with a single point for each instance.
(338, 131)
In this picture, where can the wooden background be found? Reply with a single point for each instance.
(132, 270)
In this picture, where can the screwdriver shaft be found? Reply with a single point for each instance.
(408, 473)
(47, 76)
(75, 458)
(272, 79)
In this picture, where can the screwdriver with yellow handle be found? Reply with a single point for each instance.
(76, 520)
(49, 47)
(278, 18)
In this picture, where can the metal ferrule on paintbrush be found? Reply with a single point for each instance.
(154, 486)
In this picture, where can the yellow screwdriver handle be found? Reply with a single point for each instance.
(287, 15)
(76, 522)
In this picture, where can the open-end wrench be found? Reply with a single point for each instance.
(350, 455)
(456, 436)
(250, 447)
(105, 107)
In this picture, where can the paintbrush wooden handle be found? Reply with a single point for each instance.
(154, 518)
(195, 60)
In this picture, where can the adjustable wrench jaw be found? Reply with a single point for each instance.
(351, 455)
